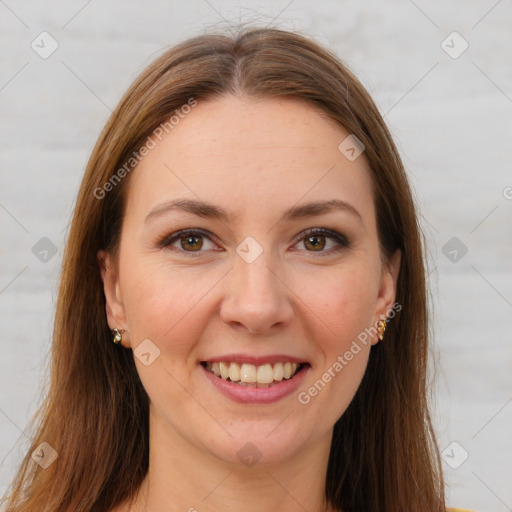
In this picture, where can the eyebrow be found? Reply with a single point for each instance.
(208, 210)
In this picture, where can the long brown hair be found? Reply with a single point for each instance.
(383, 455)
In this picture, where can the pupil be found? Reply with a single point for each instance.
(314, 241)
(192, 241)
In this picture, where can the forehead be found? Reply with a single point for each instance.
(251, 157)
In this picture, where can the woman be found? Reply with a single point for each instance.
(242, 319)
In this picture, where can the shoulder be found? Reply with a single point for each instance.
(459, 510)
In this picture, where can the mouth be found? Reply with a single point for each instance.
(265, 375)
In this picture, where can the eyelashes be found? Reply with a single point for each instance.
(312, 237)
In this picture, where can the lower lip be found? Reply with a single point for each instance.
(255, 395)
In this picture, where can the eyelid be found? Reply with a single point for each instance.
(328, 233)
(342, 241)
(182, 233)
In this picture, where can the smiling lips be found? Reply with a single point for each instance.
(245, 374)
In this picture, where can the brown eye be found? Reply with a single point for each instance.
(316, 242)
(193, 242)
(187, 241)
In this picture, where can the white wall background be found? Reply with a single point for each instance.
(452, 119)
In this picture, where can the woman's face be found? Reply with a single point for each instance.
(251, 285)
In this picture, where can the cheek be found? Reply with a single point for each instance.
(344, 301)
(166, 304)
(343, 306)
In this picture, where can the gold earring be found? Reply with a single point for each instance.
(382, 328)
(118, 335)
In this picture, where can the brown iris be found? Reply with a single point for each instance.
(189, 240)
(315, 243)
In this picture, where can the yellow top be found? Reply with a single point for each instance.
(458, 510)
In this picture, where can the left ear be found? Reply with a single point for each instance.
(387, 290)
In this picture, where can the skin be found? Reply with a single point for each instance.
(255, 159)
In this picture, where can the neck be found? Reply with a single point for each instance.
(183, 477)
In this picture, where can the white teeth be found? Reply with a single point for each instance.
(250, 375)
(224, 370)
(265, 374)
(234, 372)
(216, 369)
(278, 371)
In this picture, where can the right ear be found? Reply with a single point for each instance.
(114, 307)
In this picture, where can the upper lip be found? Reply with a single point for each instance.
(255, 360)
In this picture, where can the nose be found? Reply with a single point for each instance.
(257, 298)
